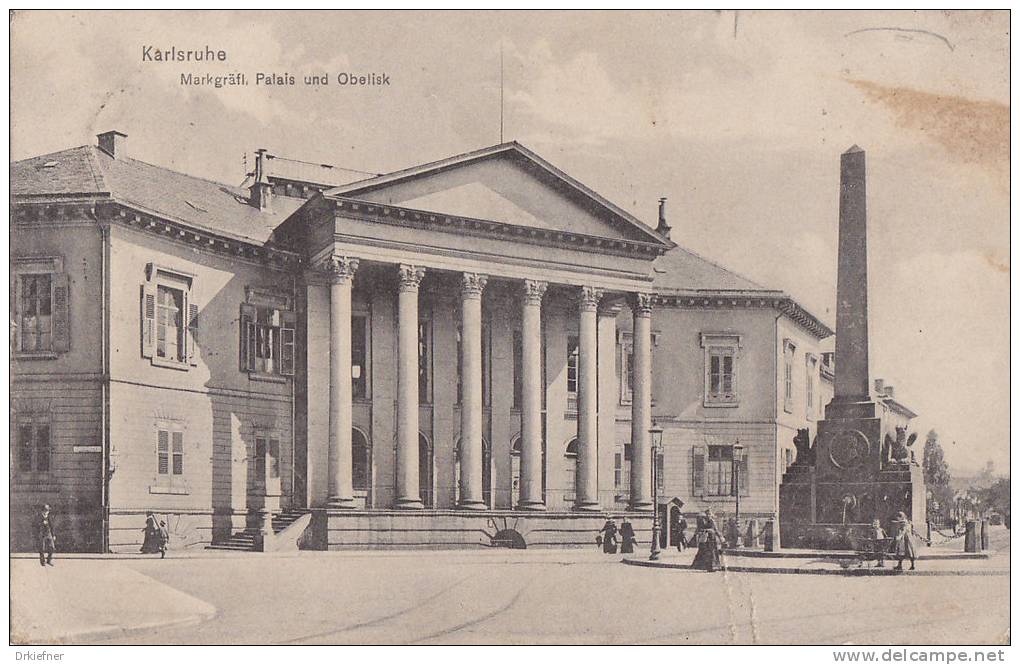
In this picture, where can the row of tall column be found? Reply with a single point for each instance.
(341, 271)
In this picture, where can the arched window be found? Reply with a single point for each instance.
(570, 471)
(361, 474)
(515, 471)
(425, 470)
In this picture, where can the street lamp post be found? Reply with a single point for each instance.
(738, 451)
(656, 433)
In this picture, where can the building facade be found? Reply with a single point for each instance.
(431, 357)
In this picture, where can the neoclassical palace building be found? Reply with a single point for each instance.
(467, 352)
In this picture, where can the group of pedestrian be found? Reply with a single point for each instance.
(156, 537)
(710, 541)
(155, 540)
(610, 537)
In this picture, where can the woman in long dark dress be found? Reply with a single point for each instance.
(709, 544)
(627, 537)
(150, 542)
(608, 536)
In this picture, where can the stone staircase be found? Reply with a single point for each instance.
(244, 541)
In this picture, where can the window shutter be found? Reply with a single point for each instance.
(247, 345)
(61, 313)
(16, 305)
(698, 470)
(192, 328)
(745, 479)
(288, 347)
(148, 318)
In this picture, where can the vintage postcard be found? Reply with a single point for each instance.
(510, 328)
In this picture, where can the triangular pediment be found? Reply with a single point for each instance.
(506, 184)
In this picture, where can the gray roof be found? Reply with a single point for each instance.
(680, 269)
(204, 204)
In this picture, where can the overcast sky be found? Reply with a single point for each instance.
(738, 119)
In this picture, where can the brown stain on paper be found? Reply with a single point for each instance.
(996, 263)
(972, 131)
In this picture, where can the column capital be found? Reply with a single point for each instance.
(641, 303)
(610, 308)
(589, 298)
(410, 277)
(472, 284)
(533, 291)
(339, 269)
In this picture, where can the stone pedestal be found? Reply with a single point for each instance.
(970, 539)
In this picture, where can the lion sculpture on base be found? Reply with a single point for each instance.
(805, 451)
(896, 449)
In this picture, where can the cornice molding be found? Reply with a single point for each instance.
(774, 300)
(409, 217)
(110, 211)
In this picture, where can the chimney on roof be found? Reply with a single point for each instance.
(113, 143)
(261, 190)
(880, 386)
(890, 392)
(663, 228)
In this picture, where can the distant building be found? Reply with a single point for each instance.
(413, 357)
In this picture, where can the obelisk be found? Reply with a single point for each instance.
(852, 378)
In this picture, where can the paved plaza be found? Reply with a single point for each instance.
(524, 597)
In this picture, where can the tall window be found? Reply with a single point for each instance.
(359, 356)
(621, 469)
(362, 461)
(573, 355)
(267, 458)
(789, 351)
(809, 382)
(40, 300)
(268, 336)
(721, 354)
(425, 361)
(518, 368)
(570, 471)
(169, 323)
(719, 472)
(33, 446)
(169, 455)
(626, 351)
(169, 317)
(36, 311)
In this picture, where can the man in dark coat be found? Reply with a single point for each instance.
(627, 537)
(44, 536)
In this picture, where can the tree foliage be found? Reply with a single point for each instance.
(996, 496)
(936, 473)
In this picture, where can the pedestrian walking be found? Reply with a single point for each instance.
(627, 537)
(607, 536)
(150, 539)
(903, 544)
(878, 535)
(710, 544)
(164, 539)
(46, 541)
(678, 531)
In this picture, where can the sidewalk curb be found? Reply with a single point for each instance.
(840, 554)
(853, 572)
(118, 631)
